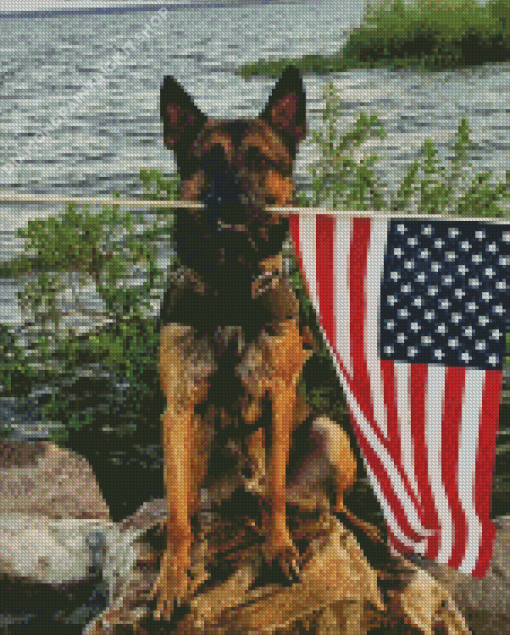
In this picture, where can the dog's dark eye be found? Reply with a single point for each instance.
(255, 160)
(213, 157)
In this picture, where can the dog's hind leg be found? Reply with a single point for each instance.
(324, 470)
(343, 462)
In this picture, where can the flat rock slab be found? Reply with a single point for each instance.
(338, 574)
(337, 595)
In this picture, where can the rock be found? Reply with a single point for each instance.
(42, 479)
(52, 514)
(46, 551)
(338, 593)
(484, 603)
(55, 537)
(50, 569)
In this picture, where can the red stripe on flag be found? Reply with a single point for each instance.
(429, 517)
(357, 280)
(390, 404)
(393, 432)
(484, 470)
(381, 475)
(451, 421)
(324, 238)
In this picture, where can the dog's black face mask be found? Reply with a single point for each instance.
(235, 168)
(233, 234)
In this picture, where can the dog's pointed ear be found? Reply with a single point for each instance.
(285, 110)
(182, 120)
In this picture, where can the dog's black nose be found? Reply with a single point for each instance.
(223, 200)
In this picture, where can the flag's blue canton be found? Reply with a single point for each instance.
(445, 294)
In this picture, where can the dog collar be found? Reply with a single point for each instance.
(230, 227)
(264, 282)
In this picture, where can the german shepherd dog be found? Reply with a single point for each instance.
(232, 349)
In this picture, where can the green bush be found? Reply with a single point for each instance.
(101, 248)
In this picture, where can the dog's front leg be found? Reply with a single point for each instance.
(183, 473)
(279, 546)
(286, 358)
(172, 584)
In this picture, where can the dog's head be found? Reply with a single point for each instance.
(237, 167)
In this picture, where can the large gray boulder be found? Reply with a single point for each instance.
(39, 478)
(55, 530)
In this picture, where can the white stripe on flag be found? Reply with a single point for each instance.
(434, 416)
(403, 391)
(468, 448)
(309, 255)
(342, 238)
(375, 267)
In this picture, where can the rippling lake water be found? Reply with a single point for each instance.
(68, 66)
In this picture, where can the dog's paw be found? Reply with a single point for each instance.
(172, 589)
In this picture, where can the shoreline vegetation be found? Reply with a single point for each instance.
(427, 35)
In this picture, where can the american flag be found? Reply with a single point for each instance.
(414, 313)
